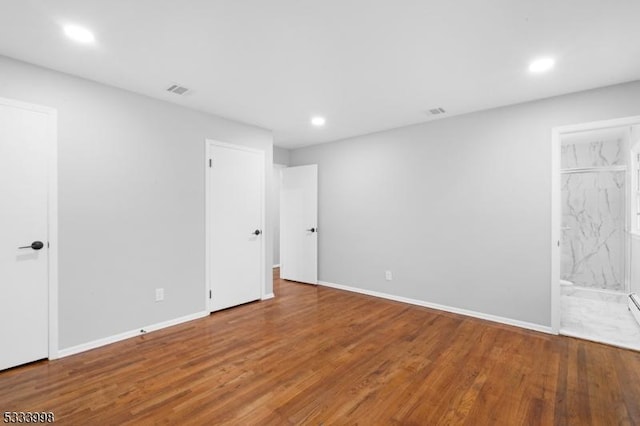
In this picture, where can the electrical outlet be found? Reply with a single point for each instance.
(159, 294)
(388, 276)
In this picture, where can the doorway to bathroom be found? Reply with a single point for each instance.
(596, 225)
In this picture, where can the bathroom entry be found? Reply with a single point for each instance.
(599, 201)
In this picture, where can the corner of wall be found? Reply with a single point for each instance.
(281, 155)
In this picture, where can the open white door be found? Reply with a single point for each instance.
(235, 222)
(26, 134)
(299, 224)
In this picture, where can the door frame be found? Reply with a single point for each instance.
(209, 143)
(52, 216)
(556, 202)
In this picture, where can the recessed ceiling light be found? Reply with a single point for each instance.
(318, 121)
(541, 65)
(79, 34)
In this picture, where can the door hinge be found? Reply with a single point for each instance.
(209, 294)
(210, 162)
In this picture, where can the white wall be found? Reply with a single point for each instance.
(275, 216)
(131, 200)
(281, 155)
(458, 209)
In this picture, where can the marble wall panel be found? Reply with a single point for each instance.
(598, 153)
(593, 239)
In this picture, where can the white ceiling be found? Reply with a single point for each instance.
(366, 65)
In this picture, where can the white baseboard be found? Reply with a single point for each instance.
(268, 296)
(276, 266)
(128, 334)
(488, 317)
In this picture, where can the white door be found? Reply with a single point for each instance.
(299, 224)
(24, 311)
(235, 224)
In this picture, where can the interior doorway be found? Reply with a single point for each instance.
(299, 224)
(594, 203)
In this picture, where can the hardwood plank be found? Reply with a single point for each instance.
(315, 355)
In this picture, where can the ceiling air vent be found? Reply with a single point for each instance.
(436, 111)
(177, 89)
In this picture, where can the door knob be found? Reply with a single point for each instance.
(311, 229)
(257, 232)
(36, 245)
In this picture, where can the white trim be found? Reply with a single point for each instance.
(207, 227)
(129, 334)
(234, 146)
(629, 219)
(276, 266)
(53, 237)
(556, 222)
(52, 213)
(598, 125)
(263, 218)
(263, 182)
(25, 105)
(466, 312)
(268, 296)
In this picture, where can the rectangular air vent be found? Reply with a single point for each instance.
(177, 89)
(436, 111)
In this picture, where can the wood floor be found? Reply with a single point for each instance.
(316, 355)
